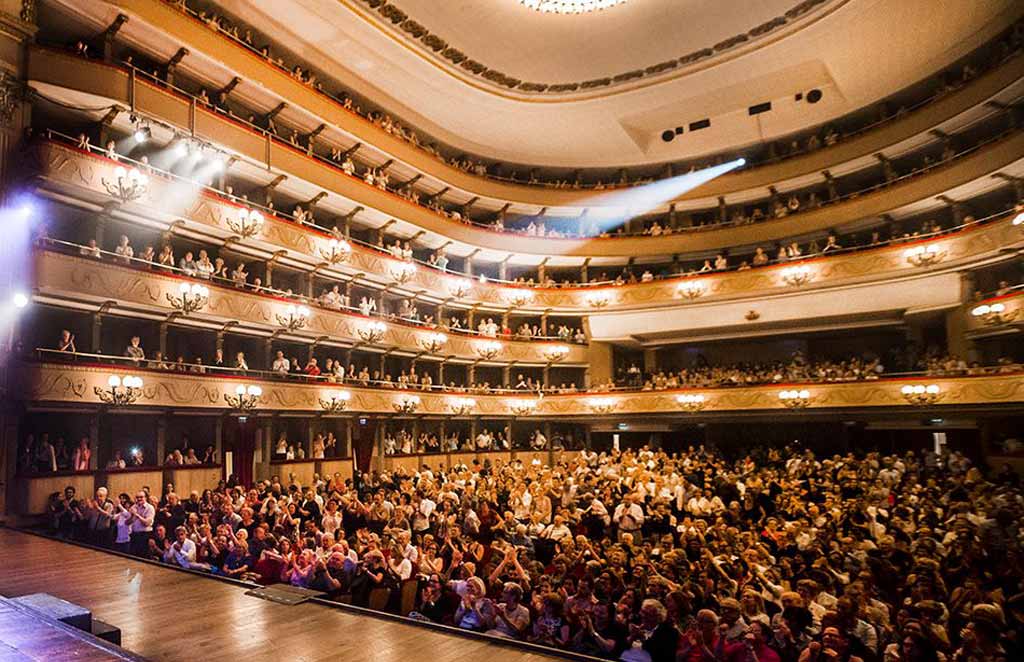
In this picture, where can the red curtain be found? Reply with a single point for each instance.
(364, 436)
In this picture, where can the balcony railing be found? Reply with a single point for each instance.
(152, 100)
(69, 166)
(74, 381)
(79, 271)
(275, 77)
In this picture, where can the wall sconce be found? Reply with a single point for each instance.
(796, 276)
(522, 407)
(336, 401)
(434, 342)
(795, 399)
(519, 298)
(458, 288)
(691, 402)
(556, 353)
(402, 272)
(336, 251)
(924, 256)
(920, 394)
(120, 391)
(247, 223)
(190, 299)
(294, 318)
(372, 332)
(691, 289)
(128, 185)
(599, 300)
(602, 406)
(407, 404)
(488, 349)
(462, 406)
(245, 398)
(994, 314)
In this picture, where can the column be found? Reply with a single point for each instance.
(161, 439)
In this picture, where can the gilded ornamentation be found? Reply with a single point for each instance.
(436, 45)
(67, 165)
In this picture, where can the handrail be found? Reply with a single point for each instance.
(140, 264)
(214, 24)
(95, 150)
(108, 361)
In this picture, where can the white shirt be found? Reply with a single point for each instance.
(629, 519)
(186, 556)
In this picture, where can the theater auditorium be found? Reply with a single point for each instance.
(639, 330)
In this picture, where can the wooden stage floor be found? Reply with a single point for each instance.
(165, 614)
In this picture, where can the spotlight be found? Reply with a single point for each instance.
(741, 161)
(25, 211)
(217, 164)
(20, 300)
(142, 134)
(180, 150)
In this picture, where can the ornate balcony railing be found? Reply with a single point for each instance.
(66, 168)
(143, 289)
(248, 64)
(153, 100)
(73, 383)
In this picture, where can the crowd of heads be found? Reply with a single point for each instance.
(777, 555)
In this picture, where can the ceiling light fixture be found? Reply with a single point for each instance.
(569, 6)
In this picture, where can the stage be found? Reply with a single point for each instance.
(165, 614)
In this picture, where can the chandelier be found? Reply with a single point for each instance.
(462, 406)
(994, 314)
(336, 401)
(372, 332)
(247, 224)
(556, 353)
(336, 251)
(120, 391)
(128, 185)
(924, 256)
(693, 289)
(434, 342)
(190, 298)
(796, 276)
(919, 394)
(691, 402)
(522, 407)
(407, 404)
(294, 318)
(795, 399)
(245, 398)
(488, 349)
(569, 6)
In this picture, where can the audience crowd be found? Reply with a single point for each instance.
(945, 83)
(776, 556)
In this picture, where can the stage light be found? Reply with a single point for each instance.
(20, 300)
(142, 134)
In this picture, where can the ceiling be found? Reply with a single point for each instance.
(855, 51)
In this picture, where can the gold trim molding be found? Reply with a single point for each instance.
(73, 384)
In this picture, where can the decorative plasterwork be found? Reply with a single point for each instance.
(73, 384)
(66, 166)
(442, 51)
(66, 275)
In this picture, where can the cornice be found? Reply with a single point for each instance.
(396, 24)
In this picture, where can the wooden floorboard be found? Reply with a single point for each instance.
(169, 615)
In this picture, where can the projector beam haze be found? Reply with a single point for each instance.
(614, 209)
